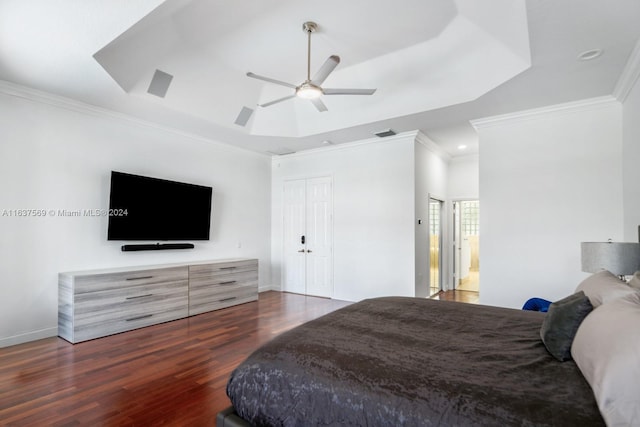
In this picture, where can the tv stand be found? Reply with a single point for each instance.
(96, 303)
(156, 247)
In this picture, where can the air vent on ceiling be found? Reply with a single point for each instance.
(244, 116)
(385, 133)
(160, 83)
(281, 151)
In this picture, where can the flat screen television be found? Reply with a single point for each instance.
(145, 208)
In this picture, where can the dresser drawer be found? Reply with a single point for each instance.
(131, 300)
(222, 271)
(107, 281)
(113, 325)
(208, 301)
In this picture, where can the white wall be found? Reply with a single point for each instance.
(54, 157)
(432, 167)
(373, 193)
(463, 181)
(548, 180)
(631, 162)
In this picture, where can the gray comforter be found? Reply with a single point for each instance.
(412, 362)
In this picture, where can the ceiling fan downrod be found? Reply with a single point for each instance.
(309, 27)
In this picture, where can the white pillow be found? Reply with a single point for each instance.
(603, 286)
(606, 348)
(635, 280)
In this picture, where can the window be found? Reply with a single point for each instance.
(470, 218)
(434, 218)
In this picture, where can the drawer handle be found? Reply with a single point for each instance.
(227, 299)
(139, 278)
(231, 282)
(140, 296)
(228, 268)
(144, 316)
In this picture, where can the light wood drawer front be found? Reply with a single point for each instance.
(229, 280)
(222, 270)
(112, 326)
(195, 295)
(135, 299)
(216, 301)
(103, 282)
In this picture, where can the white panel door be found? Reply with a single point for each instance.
(294, 269)
(319, 237)
(308, 237)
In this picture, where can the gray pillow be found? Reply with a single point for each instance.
(561, 324)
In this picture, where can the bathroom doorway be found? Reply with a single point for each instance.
(466, 245)
(435, 245)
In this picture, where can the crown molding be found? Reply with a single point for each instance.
(426, 142)
(629, 75)
(414, 135)
(568, 107)
(466, 158)
(349, 145)
(57, 101)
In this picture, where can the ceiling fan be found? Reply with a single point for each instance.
(311, 88)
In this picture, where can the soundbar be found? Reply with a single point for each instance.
(156, 247)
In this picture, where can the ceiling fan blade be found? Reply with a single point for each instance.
(319, 104)
(329, 65)
(348, 91)
(270, 80)
(266, 104)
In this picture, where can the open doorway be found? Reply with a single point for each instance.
(435, 245)
(466, 245)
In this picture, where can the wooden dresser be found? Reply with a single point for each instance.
(93, 304)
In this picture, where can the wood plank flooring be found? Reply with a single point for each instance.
(470, 297)
(173, 374)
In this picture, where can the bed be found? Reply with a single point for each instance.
(398, 361)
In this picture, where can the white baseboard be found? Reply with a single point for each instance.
(28, 336)
(269, 288)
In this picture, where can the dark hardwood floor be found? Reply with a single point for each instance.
(173, 374)
(169, 374)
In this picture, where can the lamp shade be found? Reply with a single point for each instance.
(622, 259)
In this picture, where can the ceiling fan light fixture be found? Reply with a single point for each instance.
(311, 89)
(308, 91)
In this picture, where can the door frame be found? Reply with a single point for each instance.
(455, 244)
(443, 221)
(331, 220)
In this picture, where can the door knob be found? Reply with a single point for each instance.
(309, 250)
(301, 250)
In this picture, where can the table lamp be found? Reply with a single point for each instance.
(620, 258)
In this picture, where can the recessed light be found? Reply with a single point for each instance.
(327, 142)
(590, 54)
(462, 147)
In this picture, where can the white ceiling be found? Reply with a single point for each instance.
(436, 64)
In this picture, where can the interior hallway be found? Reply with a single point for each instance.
(471, 282)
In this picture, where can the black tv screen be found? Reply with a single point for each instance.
(144, 208)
